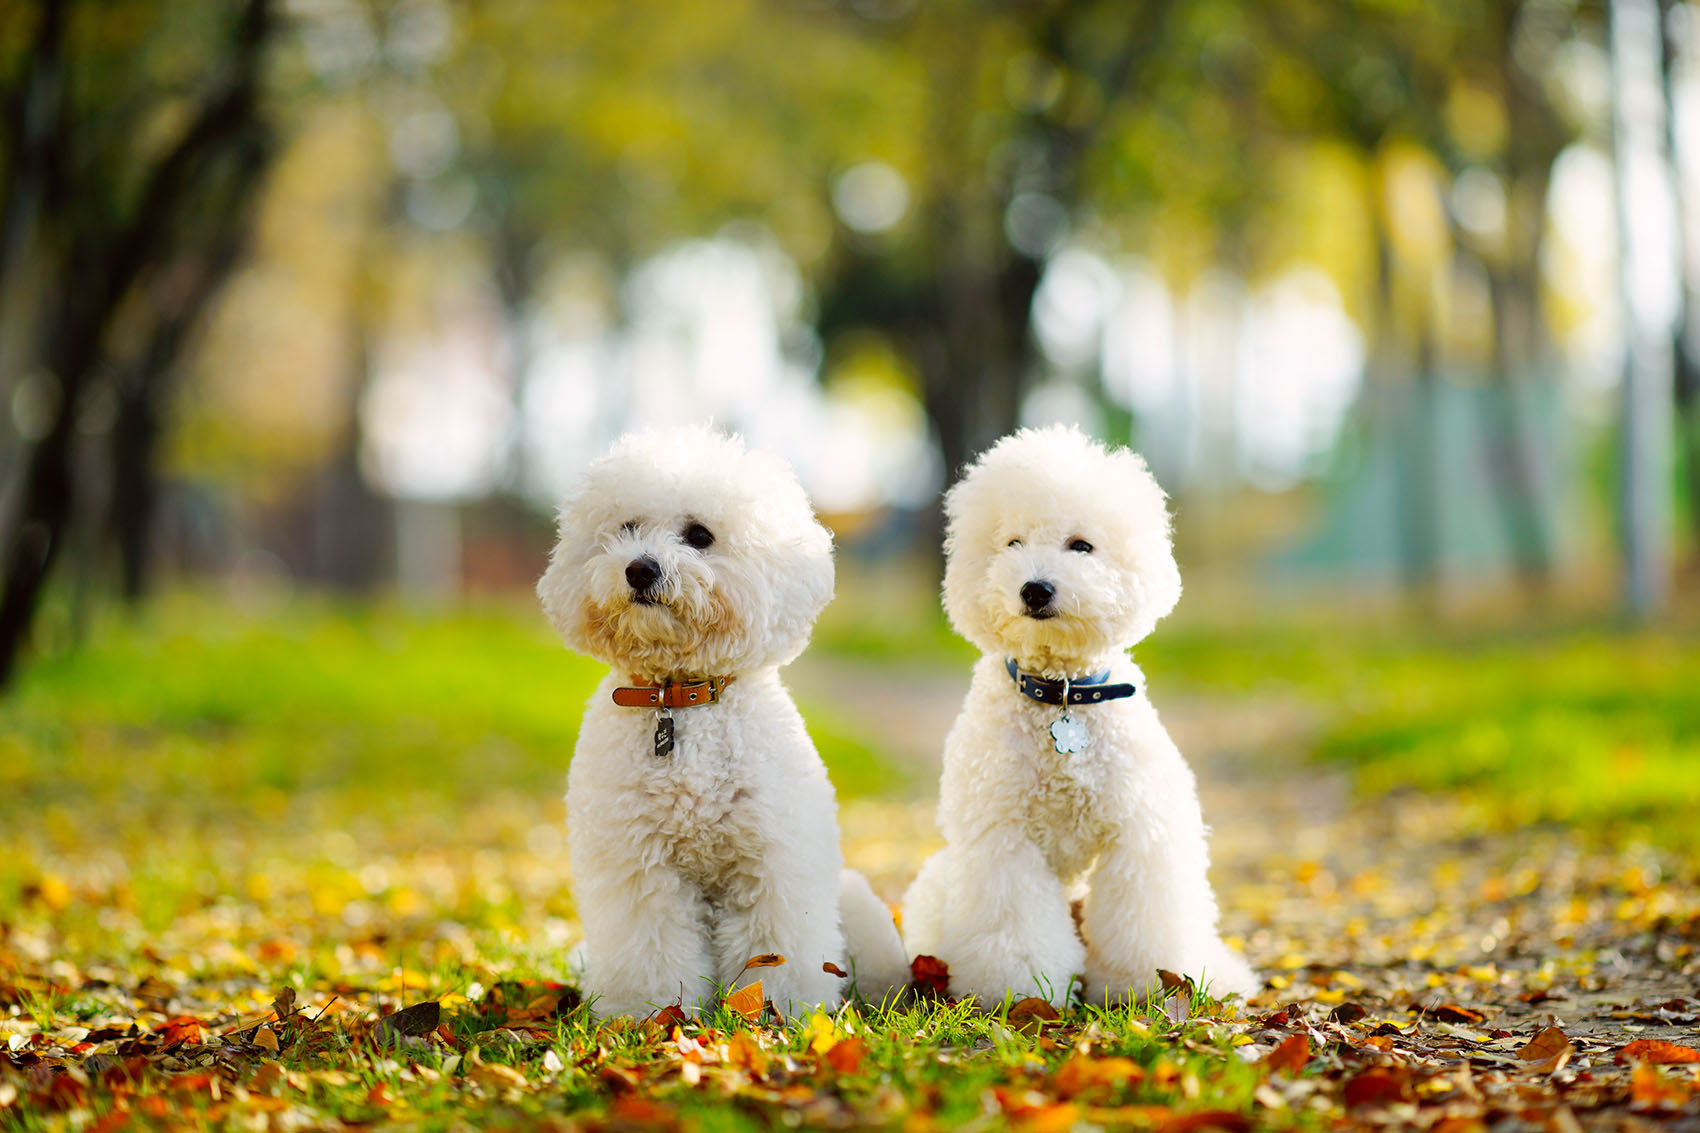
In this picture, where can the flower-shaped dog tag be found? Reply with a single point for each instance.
(1068, 734)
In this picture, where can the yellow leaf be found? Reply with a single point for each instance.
(822, 1032)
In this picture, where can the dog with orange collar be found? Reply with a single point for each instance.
(702, 827)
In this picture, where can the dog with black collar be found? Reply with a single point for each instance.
(1061, 789)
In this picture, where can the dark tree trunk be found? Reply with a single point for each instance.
(1683, 348)
(108, 263)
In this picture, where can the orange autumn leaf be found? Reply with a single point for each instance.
(765, 960)
(1455, 1013)
(1657, 1051)
(1290, 1057)
(1081, 1074)
(183, 1029)
(747, 1001)
(832, 969)
(845, 1055)
(1649, 1088)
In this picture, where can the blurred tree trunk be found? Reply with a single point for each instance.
(1648, 426)
(98, 266)
(183, 296)
(1535, 136)
(1685, 353)
(963, 312)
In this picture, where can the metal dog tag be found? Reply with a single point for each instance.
(663, 734)
(1068, 735)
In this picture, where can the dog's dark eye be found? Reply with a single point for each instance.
(698, 536)
(1080, 545)
(1013, 543)
(629, 527)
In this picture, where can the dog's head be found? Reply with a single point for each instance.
(1057, 551)
(682, 554)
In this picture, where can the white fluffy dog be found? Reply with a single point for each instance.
(702, 827)
(1058, 560)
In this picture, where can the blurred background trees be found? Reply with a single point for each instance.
(345, 292)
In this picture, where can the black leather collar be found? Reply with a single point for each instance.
(1086, 690)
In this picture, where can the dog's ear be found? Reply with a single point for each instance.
(802, 574)
(1152, 549)
(560, 592)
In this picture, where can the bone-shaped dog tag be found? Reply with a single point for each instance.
(1068, 735)
(663, 734)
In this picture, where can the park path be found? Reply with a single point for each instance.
(1404, 902)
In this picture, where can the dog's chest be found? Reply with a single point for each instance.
(697, 800)
(1067, 814)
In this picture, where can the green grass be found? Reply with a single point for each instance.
(1592, 726)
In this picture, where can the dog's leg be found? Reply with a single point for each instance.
(794, 912)
(874, 950)
(646, 941)
(1006, 925)
(923, 907)
(1150, 907)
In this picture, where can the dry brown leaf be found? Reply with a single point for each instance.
(266, 1039)
(419, 1019)
(1347, 1013)
(1378, 1086)
(832, 969)
(1032, 1013)
(747, 1000)
(1547, 1052)
(765, 960)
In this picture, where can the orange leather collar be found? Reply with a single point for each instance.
(678, 695)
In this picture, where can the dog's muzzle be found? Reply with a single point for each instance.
(642, 575)
(1037, 596)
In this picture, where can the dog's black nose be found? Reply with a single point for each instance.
(643, 574)
(1037, 595)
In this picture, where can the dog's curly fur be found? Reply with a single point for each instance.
(1115, 830)
(685, 866)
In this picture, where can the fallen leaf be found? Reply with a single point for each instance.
(846, 1055)
(1657, 1051)
(1032, 1013)
(1454, 1013)
(930, 975)
(1378, 1086)
(1081, 1074)
(182, 1029)
(1178, 1006)
(266, 1039)
(1649, 1088)
(284, 1003)
(747, 1000)
(1290, 1057)
(765, 960)
(1347, 1013)
(832, 969)
(1225, 1120)
(420, 1019)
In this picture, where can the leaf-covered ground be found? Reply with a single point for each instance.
(305, 868)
